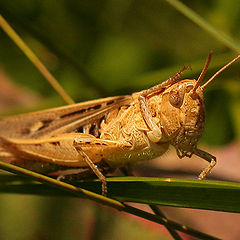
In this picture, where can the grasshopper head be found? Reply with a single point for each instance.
(182, 114)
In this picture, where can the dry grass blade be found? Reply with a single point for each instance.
(35, 60)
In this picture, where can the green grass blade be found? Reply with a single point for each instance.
(197, 19)
(209, 195)
(12, 183)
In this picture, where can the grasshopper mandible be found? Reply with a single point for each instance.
(100, 135)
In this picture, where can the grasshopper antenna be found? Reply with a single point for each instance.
(219, 71)
(205, 68)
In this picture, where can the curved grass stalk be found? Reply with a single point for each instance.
(82, 193)
(35, 60)
(197, 19)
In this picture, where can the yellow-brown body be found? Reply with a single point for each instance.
(113, 131)
(122, 132)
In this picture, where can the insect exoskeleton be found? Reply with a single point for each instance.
(111, 132)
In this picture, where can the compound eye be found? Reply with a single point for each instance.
(176, 96)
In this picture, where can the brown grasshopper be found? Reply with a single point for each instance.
(104, 134)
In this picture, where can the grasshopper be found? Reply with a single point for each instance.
(100, 135)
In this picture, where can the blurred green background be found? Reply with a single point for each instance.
(106, 48)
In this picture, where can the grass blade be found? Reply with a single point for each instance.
(35, 60)
(197, 19)
(209, 195)
(72, 190)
